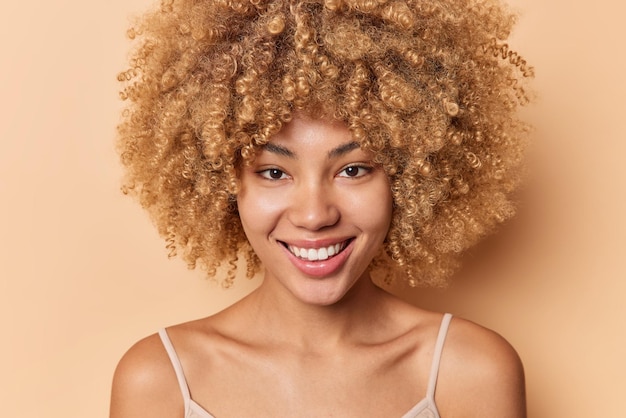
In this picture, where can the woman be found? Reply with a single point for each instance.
(325, 141)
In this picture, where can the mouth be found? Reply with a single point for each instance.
(317, 254)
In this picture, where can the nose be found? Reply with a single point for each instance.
(314, 207)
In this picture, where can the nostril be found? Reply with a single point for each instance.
(314, 213)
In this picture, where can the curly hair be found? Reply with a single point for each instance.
(430, 87)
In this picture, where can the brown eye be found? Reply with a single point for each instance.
(273, 174)
(354, 171)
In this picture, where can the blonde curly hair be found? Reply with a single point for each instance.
(428, 86)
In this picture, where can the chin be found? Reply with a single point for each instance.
(324, 292)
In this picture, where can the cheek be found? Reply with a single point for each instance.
(373, 208)
(381, 211)
(258, 211)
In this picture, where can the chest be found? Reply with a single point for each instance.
(285, 384)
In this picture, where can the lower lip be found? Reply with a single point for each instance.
(320, 268)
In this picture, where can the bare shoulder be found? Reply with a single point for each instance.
(481, 374)
(145, 383)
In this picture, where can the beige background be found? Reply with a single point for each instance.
(83, 274)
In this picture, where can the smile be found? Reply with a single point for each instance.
(317, 254)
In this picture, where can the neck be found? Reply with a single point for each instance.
(354, 319)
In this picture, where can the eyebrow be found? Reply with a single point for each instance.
(280, 150)
(343, 149)
(334, 153)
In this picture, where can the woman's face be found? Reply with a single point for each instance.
(315, 209)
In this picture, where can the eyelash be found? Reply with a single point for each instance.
(266, 174)
(362, 170)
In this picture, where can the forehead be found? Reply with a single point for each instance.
(308, 137)
(305, 137)
(304, 129)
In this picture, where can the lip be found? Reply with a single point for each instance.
(319, 268)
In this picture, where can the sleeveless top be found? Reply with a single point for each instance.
(425, 408)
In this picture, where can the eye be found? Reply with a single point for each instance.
(272, 174)
(355, 171)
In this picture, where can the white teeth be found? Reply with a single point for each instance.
(314, 254)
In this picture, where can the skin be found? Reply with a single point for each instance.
(319, 338)
(326, 191)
